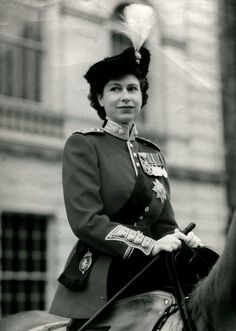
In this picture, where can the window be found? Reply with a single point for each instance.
(20, 63)
(23, 262)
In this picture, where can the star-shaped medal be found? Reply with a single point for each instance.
(159, 189)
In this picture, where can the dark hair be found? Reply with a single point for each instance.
(97, 89)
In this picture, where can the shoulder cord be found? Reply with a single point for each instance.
(104, 123)
(181, 299)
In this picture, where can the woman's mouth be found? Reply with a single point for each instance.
(125, 108)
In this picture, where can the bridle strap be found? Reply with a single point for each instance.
(181, 299)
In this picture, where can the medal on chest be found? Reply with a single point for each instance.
(153, 164)
(159, 189)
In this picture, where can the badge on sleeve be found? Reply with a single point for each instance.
(85, 262)
(159, 189)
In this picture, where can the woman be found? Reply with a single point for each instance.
(116, 195)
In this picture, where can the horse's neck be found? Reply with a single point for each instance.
(224, 273)
(213, 302)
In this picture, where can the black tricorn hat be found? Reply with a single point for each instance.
(119, 65)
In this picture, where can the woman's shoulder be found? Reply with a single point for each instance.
(90, 131)
(148, 143)
(83, 138)
(85, 134)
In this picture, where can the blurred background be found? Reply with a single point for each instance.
(45, 49)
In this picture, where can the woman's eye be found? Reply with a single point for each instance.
(133, 88)
(115, 88)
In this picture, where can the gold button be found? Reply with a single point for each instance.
(131, 145)
(121, 131)
(146, 209)
(137, 164)
(141, 218)
(135, 154)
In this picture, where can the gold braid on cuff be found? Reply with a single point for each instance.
(132, 238)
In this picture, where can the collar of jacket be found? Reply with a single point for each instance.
(124, 132)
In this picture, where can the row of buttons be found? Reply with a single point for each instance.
(136, 165)
(136, 155)
(146, 210)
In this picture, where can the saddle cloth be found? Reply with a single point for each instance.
(137, 313)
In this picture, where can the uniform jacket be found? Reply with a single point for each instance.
(117, 198)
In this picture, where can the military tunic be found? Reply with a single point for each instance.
(117, 199)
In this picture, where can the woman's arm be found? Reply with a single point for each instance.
(84, 205)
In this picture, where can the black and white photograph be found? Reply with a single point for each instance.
(117, 165)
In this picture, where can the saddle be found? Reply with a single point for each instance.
(138, 313)
(151, 311)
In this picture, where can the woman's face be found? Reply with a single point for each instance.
(122, 99)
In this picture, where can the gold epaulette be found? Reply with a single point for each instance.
(90, 131)
(148, 143)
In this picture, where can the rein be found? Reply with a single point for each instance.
(121, 291)
(181, 299)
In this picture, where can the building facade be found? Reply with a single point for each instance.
(45, 49)
(228, 72)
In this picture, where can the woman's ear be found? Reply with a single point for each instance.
(100, 100)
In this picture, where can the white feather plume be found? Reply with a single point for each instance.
(137, 22)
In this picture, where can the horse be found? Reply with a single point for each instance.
(211, 305)
(213, 301)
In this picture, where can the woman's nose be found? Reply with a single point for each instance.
(125, 95)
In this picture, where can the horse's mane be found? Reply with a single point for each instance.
(213, 302)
